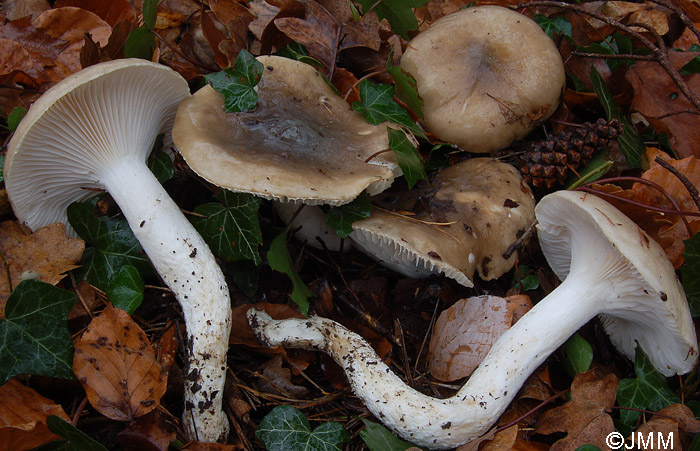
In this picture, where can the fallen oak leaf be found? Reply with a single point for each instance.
(23, 414)
(585, 418)
(116, 365)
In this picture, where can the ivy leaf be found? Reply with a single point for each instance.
(231, 228)
(647, 391)
(341, 218)
(407, 156)
(112, 245)
(161, 165)
(237, 83)
(630, 142)
(405, 85)
(379, 438)
(140, 43)
(399, 13)
(558, 25)
(578, 355)
(15, 117)
(377, 105)
(75, 439)
(279, 260)
(125, 289)
(690, 273)
(34, 336)
(286, 428)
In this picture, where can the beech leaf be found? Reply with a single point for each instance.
(34, 336)
(286, 428)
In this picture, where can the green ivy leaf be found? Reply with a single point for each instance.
(578, 355)
(647, 391)
(75, 439)
(15, 118)
(125, 289)
(245, 276)
(112, 245)
(407, 156)
(140, 43)
(405, 85)
(231, 227)
(237, 83)
(377, 105)
(525, 279)
(150, 13)
(161, 165)
(341, 218)
(279, 260)
(690, 273)
(379, 438)
(34, 336)
(399, 13)
(285, 428)
(439, 156)
(587, 448)
(630, 142)
(558, 25)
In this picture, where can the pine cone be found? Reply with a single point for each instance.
(547, 164)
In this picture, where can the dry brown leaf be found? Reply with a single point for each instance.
(585, 418)
(318, 31)
(149, 432)
(16, 9)
(236, 18)
(263, 28)
(656, 95)
(70, 24)
(118, 368)
(111, 11)
(168, 346)
(214, 36)
(48, 251)
(354, 33)
(201, 446)
(669, 420)
(278, 380)
(465, 331)
(23, 415)
(630, 13)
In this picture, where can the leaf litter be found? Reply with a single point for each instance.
(40, 44)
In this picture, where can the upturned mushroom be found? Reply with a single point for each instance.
(487, 76)
(302, 143)
(93, 131)
(609, 267)
(468, 219)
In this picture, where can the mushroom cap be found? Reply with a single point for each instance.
(77, 128)
(488, 209)
(301, 143)
(646, 302)
(487, 76)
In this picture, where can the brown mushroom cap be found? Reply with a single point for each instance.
(302, 142)
(488, 209)
(487, 76)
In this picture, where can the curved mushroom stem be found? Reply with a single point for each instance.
(442, 423)
(188, 267)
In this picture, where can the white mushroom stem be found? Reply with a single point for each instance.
(431, 422)
(188, 267)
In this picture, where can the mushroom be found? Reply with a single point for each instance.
(93, 131)
(302, 143)
(487, 76)
(485, 209)
(609, 267)
(309, 226)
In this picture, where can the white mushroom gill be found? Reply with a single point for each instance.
(605, 273)
(94, 130)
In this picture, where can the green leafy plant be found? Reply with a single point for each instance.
(286, 428)
(279, 260)
(237, 83)
(141, 42)
(399, 13)
(15, 117)
(160, 164)
(578, 355)
(405, 85)
(407, 156)
(555, 26)
(125, 290)
(231, 227)
(75, 439)
(340, 218)
(377, 105)
(525, 279)
(648, 390)
(379, 438)
(34, 336)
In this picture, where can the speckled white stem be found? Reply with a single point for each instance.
(443, 423)
(188, 267)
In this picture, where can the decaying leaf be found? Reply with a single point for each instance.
(465, 332)
(278, 380)
(118, 368)
(23, 415)
(586, 418)
(150, 431)
(48, 252)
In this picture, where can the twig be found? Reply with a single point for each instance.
(683, 179)
(531, 411)
(615, 56)
(681, 15)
